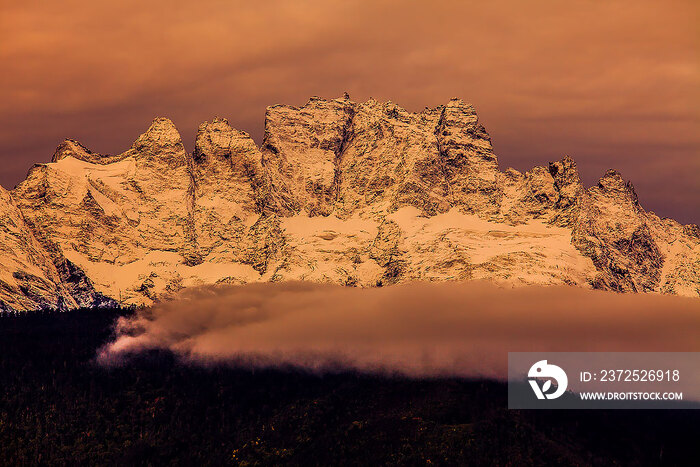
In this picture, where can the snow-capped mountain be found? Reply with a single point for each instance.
(362, 194)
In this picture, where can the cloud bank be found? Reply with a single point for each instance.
(420, 329)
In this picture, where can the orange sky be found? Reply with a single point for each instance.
(612, 83)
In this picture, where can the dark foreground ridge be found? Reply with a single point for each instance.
(57, 407)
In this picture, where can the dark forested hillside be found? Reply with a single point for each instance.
(58, 407)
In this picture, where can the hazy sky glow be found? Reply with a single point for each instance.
(612, 83)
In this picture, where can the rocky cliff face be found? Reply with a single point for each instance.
(362, 194)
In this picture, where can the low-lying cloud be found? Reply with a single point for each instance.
(419, 329)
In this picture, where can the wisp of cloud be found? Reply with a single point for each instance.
(418, 329)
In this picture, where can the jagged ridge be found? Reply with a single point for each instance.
(356, 193)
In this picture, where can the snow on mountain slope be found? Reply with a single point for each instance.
(28, 278)
(362, 194)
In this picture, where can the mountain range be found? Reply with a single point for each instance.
(362, 194)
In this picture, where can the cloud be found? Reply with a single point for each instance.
(420, 329)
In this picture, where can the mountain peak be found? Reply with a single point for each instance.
(161, 134)
(460, 112)
(216, 139)
(351, 193)
(457, 102)
(613, 184)
(160, 145)
(565, 172)
(72, 148)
